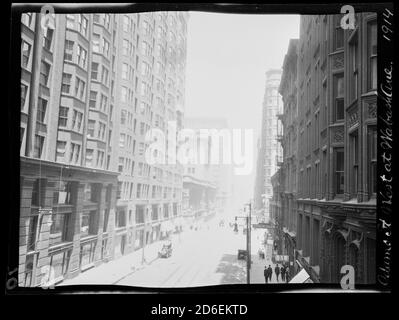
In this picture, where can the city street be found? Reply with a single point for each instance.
(204, 257)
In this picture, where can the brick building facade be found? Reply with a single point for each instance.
(92, 85)
(330, 217)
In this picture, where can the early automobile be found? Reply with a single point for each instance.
(166, 249)
(242, 254)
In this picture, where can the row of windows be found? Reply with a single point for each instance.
(64, 119)
(338, 79)
(75, 54)
(127, 118)
(313, 180)
(96, 160)
(60, 223)
(74, 152)
(104, 19)
(102, 104)
(80, 86)
(77, 22)
(100, 45)
(126, 141)
(104, 79)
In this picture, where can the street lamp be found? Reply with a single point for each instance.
(249, 243)
(248, 220)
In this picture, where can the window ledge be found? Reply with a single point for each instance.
(88, 238)
(62, 246)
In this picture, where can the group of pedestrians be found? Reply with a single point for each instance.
(283, 271)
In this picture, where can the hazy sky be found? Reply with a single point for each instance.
(227, 57)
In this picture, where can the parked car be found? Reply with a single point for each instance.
(242, 254)
(166, 250)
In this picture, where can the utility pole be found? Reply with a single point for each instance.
(144, 234)
(249, 245)
(248, 220)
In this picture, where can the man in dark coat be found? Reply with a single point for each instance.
(266, 274)
(277, 271)
(270, 272)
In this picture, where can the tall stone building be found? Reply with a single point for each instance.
(285, 180)
(150, 94)
(91, 86)
(269, 151)
(334, 220)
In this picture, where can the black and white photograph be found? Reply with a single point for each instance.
(168, 146)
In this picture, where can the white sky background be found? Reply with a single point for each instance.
(227, 57)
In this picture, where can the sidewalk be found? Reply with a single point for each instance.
(115, 270)
(258, 265)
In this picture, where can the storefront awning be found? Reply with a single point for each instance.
(290, 233)
(301, 277)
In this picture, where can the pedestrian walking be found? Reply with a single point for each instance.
(287, 274)
(270, 272)
(282, 270)
(266, 274)
(277, 271)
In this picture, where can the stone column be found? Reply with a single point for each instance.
(43, 260)
(111, 223)
(75, 223)
(24, 220)
(100, 222)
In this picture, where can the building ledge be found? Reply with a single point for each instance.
(40, 162)
(60, 246)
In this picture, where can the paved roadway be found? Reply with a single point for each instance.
(204, 257)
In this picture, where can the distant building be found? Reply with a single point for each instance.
(329, 215)
(269, 150)
(208, 186)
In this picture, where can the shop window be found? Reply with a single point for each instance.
(63, 193)
(87, 253)
(38, 192)
(89, 223)
(120, 219)
(139, 214)
(59, 263)
(59, 228)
